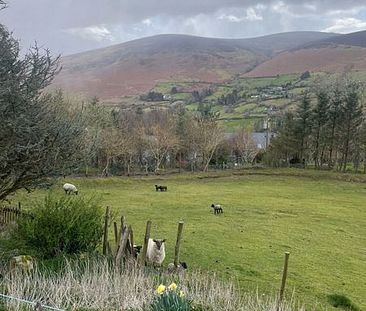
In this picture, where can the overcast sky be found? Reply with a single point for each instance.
(70, 26)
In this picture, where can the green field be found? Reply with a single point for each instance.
(319, 219)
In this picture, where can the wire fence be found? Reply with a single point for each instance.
(36, 305)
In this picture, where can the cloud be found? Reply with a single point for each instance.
(73, 26)
(251, 14)
(346, 25)
(95, 33)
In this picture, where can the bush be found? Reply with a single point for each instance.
(342, 301)
(65, 225)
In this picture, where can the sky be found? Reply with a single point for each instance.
(72, 26)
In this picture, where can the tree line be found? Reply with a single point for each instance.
(327, 129)
(129, 141)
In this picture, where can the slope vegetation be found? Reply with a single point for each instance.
(134, 67)
(334, 54)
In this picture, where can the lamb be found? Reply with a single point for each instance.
(217, 208)
(161, 188)
(155, 254)
(137, 249)
(70, 188)
(182, 266)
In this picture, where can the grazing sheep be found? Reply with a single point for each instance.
(161, 188)
(70, 188)
(182, 266)
(155, 254)
(217, 208)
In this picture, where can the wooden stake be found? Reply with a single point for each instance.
(146, 241)
(122, 246)
(123, 220)
(105, 237)
(115, 232)
(131, 240)
(177, 244)
(283, 282)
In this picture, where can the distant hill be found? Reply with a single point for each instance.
(334, 54)
(351, 39)
(326, 59)
(134, 67)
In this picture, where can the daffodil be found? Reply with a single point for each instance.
(172, 286)
(160, 290)
(181, 294)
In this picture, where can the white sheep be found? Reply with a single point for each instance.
(155, 253)
(70, 188)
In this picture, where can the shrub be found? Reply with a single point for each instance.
(342, 301)
(65, 225)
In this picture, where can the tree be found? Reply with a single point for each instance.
(305, 75)
(351, 119)
(286, 145)
(334, 119)
(204, 135)
(320, 118)
(303, 125)
(244, 146)
(160, 138)
(39, 138)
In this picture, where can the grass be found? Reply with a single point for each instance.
(318, 216)
(235, 124)
(94, 284)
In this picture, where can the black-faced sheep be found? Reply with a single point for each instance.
(161, 188)
(155, 254)
(217, 208)
(70, 188)
(137, 249)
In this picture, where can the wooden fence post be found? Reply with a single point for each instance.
(177, 244)
(146, 241)
(122, 245)
(131, 241)
(121, 228)
(283, 282)
(115, 232)
(105, 237)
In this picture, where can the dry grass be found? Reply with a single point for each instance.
(96, 285)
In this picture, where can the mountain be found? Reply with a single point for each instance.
(334, 54)
(352, 39)
(134, 67)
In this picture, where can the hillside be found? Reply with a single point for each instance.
(351, 39)
(334, 54)
(135, 67)
(326, 59)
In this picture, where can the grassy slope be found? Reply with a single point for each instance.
(320, 220)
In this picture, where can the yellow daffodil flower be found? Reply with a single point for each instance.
(160, 290)
(181, 294)
(172, 286)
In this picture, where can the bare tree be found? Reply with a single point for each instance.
(160, 139)
(245, 146)
(204, 136)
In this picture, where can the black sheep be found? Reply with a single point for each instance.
(161, 188)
